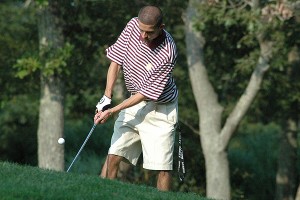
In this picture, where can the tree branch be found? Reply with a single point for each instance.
(27, 3)
(196, 131)
(249, 95)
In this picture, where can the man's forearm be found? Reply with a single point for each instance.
(101, 117)
(112, 75)
(131, 101)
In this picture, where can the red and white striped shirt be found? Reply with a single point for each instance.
(147, 68)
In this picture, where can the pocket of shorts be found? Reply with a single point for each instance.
(167, 112)
(135, 110)
(172, 113)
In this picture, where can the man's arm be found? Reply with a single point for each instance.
(112, 75)
(131, 101)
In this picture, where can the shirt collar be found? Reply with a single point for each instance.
(156, 42)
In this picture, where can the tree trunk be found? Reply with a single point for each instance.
(216, 162)
(51, 115)
(51, 124)
(217, 169)
(298, 193)
(286, 177)
(296, 64)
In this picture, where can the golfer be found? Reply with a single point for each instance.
(146, 54)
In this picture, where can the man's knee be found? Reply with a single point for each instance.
(114, 160)
(164, 175)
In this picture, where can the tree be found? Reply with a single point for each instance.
(217, 123)
(51, 115)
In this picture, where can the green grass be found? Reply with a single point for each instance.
(25, 182)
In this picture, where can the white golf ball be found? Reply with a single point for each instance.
(61, 140)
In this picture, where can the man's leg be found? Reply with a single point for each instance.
(125, 172)
(111, 166)
(164, 180)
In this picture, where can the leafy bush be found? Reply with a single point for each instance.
(253, 159)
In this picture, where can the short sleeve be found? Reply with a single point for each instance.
(117, 51)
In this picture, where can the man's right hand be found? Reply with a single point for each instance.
(103, 104)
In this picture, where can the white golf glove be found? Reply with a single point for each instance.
(103, 104)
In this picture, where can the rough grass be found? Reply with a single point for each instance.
(25, 182)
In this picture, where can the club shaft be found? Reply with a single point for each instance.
(85, 141)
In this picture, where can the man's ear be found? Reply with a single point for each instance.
(162, 26)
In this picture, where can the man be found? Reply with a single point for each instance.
(146, 54)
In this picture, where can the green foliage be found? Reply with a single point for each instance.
(230, 29)
(26, 66)
(18, 99)
(42, 2)
(18, 37)
(56, 60)
(52, 62)
(23, 182)
(253, 159)
(18, 124)
(231, 46)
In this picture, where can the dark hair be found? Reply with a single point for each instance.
(151, 15)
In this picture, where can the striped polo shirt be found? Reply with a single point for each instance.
(147, 68)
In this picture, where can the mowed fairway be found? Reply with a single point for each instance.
(25, 182)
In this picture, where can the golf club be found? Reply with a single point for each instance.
(85, 141)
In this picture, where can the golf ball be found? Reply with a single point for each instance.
(61, 140)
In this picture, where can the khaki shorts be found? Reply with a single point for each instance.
(147, 127)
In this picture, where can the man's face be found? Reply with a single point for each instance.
(149, 32)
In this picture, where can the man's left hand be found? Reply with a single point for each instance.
(101, 117)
